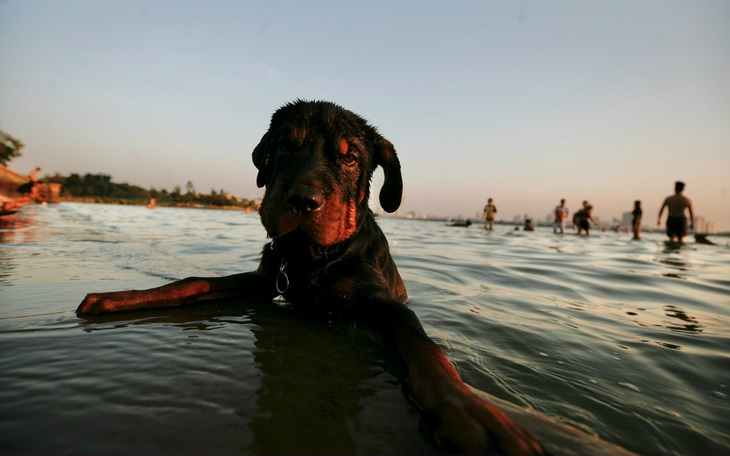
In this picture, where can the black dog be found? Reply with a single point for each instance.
(316, 161)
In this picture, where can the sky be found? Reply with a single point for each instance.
(526, 102)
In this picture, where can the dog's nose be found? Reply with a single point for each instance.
(305, 199)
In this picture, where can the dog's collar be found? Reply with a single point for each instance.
(282, 279)
(304, 257)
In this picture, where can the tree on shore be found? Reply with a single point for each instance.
(190, 188)
(101, 188)
(9, 148)
(98, 186)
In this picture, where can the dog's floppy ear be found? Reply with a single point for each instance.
(261, 158)
(261, 153)
(392, 191)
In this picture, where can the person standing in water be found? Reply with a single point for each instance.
(561, 215)
(490, 210)
(583, 218)
(676, 221)
(636, 219)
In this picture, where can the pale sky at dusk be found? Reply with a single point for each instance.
(526, 102)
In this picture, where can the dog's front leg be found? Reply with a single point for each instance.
(460, 420)
(181, 292)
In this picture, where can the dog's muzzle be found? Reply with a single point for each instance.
(304, 199)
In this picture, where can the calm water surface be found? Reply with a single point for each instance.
(627, 340)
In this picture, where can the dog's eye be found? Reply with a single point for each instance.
(349, 159)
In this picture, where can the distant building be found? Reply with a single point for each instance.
(704, 226)
(401, 212)
(700, 224)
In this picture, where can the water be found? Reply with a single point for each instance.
(626, 340)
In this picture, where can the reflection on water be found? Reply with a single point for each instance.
(324, 404)
(15, 228)
(297, 401)
(691, 326)
(674, 262)
(670, 346)
(596, 331)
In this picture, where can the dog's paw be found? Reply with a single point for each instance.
(468, 424)
(96, 303)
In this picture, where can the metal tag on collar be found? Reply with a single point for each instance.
(282, 280)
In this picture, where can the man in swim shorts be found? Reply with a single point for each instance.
(490, 210)
(676, 221)
(561, 215)
(583, 217)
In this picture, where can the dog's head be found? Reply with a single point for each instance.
(316, 161)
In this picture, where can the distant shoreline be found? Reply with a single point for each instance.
(137, 202)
